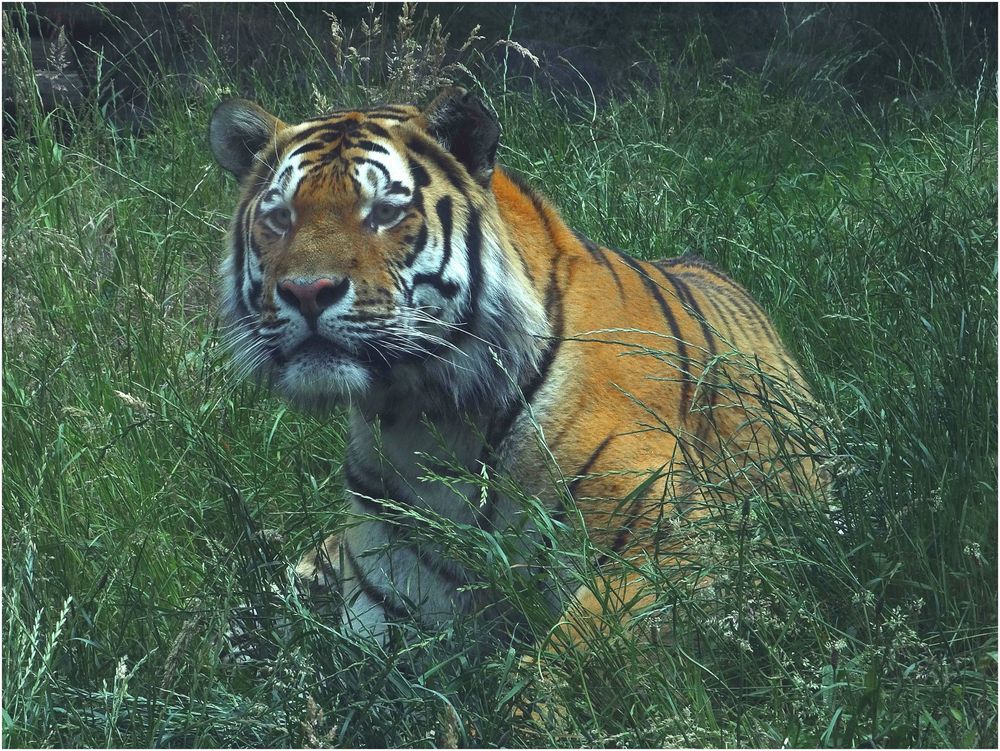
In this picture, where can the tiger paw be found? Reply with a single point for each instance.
(318, 577)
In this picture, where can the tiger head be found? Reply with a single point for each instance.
(367, 256)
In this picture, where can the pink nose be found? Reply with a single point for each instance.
(312, 298)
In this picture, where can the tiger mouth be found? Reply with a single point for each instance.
(317, 348)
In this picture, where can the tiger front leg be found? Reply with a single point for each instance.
(340, 593)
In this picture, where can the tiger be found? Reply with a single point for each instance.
(381, 262)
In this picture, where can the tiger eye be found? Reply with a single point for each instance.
(278, 220)
(383, 214)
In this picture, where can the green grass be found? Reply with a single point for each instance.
(146, 494)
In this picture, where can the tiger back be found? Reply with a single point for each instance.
(381, 260)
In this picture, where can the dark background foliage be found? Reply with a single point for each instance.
(869, 52)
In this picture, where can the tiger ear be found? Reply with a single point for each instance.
(460, 122)
(238, 130)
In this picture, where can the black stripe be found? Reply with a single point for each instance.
(688, 299)
(397, 109)
(721, 316)
(420, 177)
(420, 180)
(597, 253)
(587, 465)
(325, 130)
(554, 310)
(499, 431)
(725, 279)
(323, 119)
(588, 244)
(384, 512)
(239, 234)
(417, 248)
(417, 202)
(396, 187)
(357, 485)
(687, 385)
(521, 184)
(631, 517)
(366, 495)
(382, 598)
(376, 130)
(369, 146)
(443, 209)
(337, 135)
(254, 245)
(455, 174)
(621, 539)
(559, 513)
(359, 160)
(295, 193)
(381, 115)
(685, 296)
(285, 175)
(524, 263)
(469, 316)
(446, 289)
(255, 293)
(307, 147)
(437, 566)
(335, 138)
(361, 316)
(537, 202)
(251, 300)
(474, 263)
(706, 421)
(539, 205)
(741, 301)
(602, 253)
(390, 492)
(378, 110)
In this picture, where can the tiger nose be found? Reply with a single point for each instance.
(313, 297)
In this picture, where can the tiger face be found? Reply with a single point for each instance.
(351, 272)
